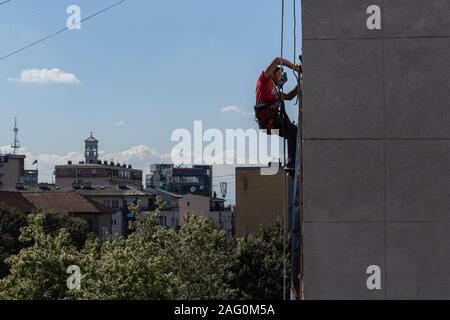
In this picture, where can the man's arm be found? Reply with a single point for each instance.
(278, 62)
(291, 95)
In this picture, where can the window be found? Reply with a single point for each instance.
(105, 233)
(188, 204)
(94, 172)
(107, 203)
(115, 204)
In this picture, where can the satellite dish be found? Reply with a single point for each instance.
(193, 189)
(202, 188)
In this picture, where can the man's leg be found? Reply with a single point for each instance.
(292, 144)
(289, 131)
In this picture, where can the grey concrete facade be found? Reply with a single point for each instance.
(376, 149)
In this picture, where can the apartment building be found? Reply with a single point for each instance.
(212, 208)
(12, 171)
(194, 180)
(118, 199)
(94, 172)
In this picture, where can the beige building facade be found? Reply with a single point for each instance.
(12, 171)
(260, 200)
(93, 172)
(210, 208)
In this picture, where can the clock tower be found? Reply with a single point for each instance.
(91, 150)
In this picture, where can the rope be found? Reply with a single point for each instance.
(282, 72)
(301, 173)
(284, 152)
(295, 49)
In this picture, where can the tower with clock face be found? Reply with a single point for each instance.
(91, 150)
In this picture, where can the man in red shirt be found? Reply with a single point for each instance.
(269, 109)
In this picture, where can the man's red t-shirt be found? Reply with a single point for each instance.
(265, 90)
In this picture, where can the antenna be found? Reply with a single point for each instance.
(16, 144)
(223, 189)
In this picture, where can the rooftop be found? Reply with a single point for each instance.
(99, 164)
(67, 201)
(159, 192)
(91, 139)
(16, 200)
(12, 156)
(113, 191)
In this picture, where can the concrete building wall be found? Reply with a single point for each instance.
(191, 203)
(259, 199)
(11, 171)
(171, 218)
(118, 223)
(67, 182)
(377, 149)
(222, 218)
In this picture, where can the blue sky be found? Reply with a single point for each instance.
(146, 67)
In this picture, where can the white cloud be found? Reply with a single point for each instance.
(234, 109)
(139, 156)
(46, 76)
(121, 123)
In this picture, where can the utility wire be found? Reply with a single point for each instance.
(59, 31)
(4, 2)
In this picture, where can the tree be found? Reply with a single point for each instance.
(202, 258)
(133, 268)
(54, 220)
(124, 269)
(259, 262)
(38, 272)
(11, 221)
(153, 262)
